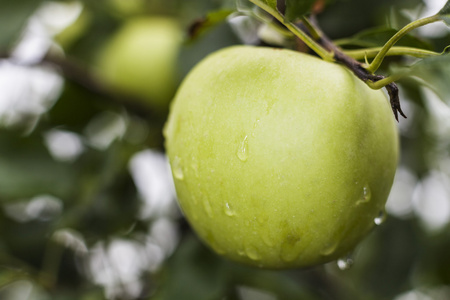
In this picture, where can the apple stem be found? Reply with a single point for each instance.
(302, 35)
(372, 80)
(375, 64)
(372, 52)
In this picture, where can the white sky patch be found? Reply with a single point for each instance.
(41, 207)
(37, 38)
(63, 145)
(104, 129)
(246, 28)
(119, 265)
(151, 174)
(71, 239)
(431, 201)
(27, 92)
(437, 29)
(399, 203)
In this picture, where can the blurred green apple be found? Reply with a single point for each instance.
(280, 159)
(126, 8)
(141, 60)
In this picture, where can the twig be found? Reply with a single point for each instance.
(358, 69)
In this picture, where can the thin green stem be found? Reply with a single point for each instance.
(310, 42)
(312, 29)
(396, 37)
(384, 82)
(372, 52)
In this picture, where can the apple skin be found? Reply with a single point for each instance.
(141, 60)
(280, 159)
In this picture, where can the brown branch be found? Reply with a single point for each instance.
(357, 68)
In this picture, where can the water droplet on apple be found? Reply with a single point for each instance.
(270, 105)
(177, 168)
(228, 210)
(207, 207)
(329, 249)
(262, 218)
(252, 253)
(366, 196)
(255, 125)
(242, 152)
(345, 263)
(266, 239)
(380, 218)
(194, 167)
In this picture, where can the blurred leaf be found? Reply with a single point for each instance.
(376, 37)
(8, 276)
(296, 9)
(212, 19)
(393, 244)
(435, 72)
(27, 169)
(193, 273)
(13, 17)
(271, 4)
(444, 13)
(220, 36)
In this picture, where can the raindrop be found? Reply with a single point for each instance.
(194, 167)
(266, 239)
(229, 211)
(380, 218)
(366, 196)
(345, 263)
(177, 168)
(329, 249)
(255, 125)
(242, 152)
(252, 253)
(207, 207)
(262, 218)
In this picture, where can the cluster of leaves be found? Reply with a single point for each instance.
(98, 199)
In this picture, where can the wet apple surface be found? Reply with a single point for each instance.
(280, 159)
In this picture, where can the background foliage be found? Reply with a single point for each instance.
(87, 209)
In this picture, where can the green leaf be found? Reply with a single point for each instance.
(444, 13)
(27, 169)
(434, 72)
(296, 9)
(193, 273)
(264, 4)
(377, 37)
(211, 20)
(13, 17)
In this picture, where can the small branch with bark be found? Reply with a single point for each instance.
(355, 66)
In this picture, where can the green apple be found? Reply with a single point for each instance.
(141, 59)
(280, 159)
